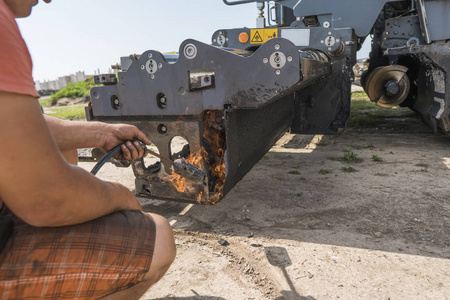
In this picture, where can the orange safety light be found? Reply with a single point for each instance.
(243, 37)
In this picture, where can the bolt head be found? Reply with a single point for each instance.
(150, 55)
(142, 67)
(152, 76)
(289, 58)
(160, 65)
(278, 72)
(277, 47)
(265, 60)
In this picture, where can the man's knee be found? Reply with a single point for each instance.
(165, 250)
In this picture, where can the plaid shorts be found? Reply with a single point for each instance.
(85, 261)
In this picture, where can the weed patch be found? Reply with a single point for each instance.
(370, 146)
(382, 174)
(350, 157)
(376, 158)
(348, 169)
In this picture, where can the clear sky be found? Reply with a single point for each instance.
(67, 36)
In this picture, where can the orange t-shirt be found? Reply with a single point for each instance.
(15, 60)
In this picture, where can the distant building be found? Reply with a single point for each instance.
(47, 87)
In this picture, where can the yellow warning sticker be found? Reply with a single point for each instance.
(259, 36)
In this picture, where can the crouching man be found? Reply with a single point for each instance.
(75, 236)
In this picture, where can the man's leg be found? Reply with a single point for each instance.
(163, 256)
(88, 260)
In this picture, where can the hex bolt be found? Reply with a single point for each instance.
(160, 65)
(322, 41)
(289, 58)
(391, 87)
(278, 72)
(163, 100)
(265, 60)
(330, 33)
(142, 67)
(152, 76)
(338, 40)
(326, 24)
(163, 128)
(150, 55)
(116, 102)
(277, 47)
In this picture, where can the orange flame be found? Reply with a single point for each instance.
(214, 159)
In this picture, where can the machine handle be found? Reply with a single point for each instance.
(241, 2)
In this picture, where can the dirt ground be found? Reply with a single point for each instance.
(302, 225)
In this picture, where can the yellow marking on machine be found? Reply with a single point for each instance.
(260, 36)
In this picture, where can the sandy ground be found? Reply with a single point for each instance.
(299, 227)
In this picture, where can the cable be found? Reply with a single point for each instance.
(105, 158)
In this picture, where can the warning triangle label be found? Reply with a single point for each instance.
(256, 38)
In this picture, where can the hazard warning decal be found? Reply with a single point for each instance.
(259, 36)
(256, 37)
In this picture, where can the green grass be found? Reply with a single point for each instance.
(348, 169)
(295, 172)
(360, 95)
(73, 112)
(350, 157)
(72, 90)
(382, 174)
(376, 158)
(324, 171)
(365, 113)
(300, 194)
(320, 143)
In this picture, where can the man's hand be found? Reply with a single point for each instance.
(122, 133)
(71, 135)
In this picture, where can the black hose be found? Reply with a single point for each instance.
(105, 158)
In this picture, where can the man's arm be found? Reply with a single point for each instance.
(35, 181)
(70, 135)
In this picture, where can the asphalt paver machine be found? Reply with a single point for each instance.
(231, 100)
